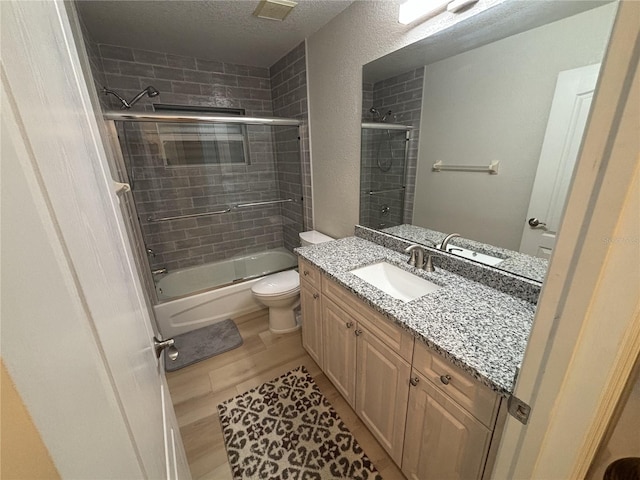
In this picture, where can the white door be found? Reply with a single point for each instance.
(49, 119)
(562, 140)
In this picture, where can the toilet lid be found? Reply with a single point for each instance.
(278, 283)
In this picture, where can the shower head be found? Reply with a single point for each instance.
(381, 118)
(149, 91)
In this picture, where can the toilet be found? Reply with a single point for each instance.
(281, 291)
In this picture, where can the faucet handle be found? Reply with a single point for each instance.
(417, 255)
(412, 258)
(428, 264)
(412, 250)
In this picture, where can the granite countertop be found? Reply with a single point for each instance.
(515, 262)
(478, 328)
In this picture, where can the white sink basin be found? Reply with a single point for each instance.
(471, 255)
(395, 281)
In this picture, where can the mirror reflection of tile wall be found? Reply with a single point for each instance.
(383, 151)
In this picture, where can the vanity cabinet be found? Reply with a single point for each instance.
(450, 421)
(367, 359)
(310, 281)
(442, 440)
(434, 420)
(340, 349)
(382, 390)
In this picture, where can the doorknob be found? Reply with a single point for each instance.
(534, 222)
(160, 345)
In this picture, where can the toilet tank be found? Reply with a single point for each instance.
(312, 238)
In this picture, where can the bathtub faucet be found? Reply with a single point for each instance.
(159, 271)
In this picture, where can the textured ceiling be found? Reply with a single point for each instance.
(211, 29)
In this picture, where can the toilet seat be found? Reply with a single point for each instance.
(282, 283)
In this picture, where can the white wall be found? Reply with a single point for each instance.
(335, 55)
(492, 103)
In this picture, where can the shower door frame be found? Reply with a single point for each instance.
(121, 174)
(390, 126)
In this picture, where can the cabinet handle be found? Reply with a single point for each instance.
(445, 379)
(414, 381)
(306, 272)
(315, 295)
(349, 324)
(358, 333)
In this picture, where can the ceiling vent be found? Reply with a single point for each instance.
(274, 9)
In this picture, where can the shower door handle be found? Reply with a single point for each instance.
(160, 345)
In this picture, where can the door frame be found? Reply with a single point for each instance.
(74, 386)
(588, 303)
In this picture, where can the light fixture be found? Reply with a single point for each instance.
(274, 9)
(413, 10)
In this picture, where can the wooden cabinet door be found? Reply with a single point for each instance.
(311, 322)
(340, 349)
(382, 389)
(442, 440)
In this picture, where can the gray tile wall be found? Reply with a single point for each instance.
(161, 191)
(382, 149)
(186, 80)
(402, 94)
(367, 101)
(289, 92)
(366, 156)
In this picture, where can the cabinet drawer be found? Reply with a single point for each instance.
(393, 336)
(477, 399)
(309, 273)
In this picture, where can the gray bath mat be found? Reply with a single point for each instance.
(204, 343)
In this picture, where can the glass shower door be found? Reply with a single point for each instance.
(223, 201)
(383, 176)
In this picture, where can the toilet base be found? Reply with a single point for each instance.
(282, 320)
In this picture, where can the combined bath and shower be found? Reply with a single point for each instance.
(149, 91)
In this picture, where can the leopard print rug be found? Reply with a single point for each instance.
(286, 429)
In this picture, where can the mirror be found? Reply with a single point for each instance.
(496, 108)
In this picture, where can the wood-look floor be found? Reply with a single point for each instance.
(196, 391)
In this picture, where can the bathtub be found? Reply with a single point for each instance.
(194, 297)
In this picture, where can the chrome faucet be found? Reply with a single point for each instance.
(159, 271)
(447, 239)
(417, 258)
